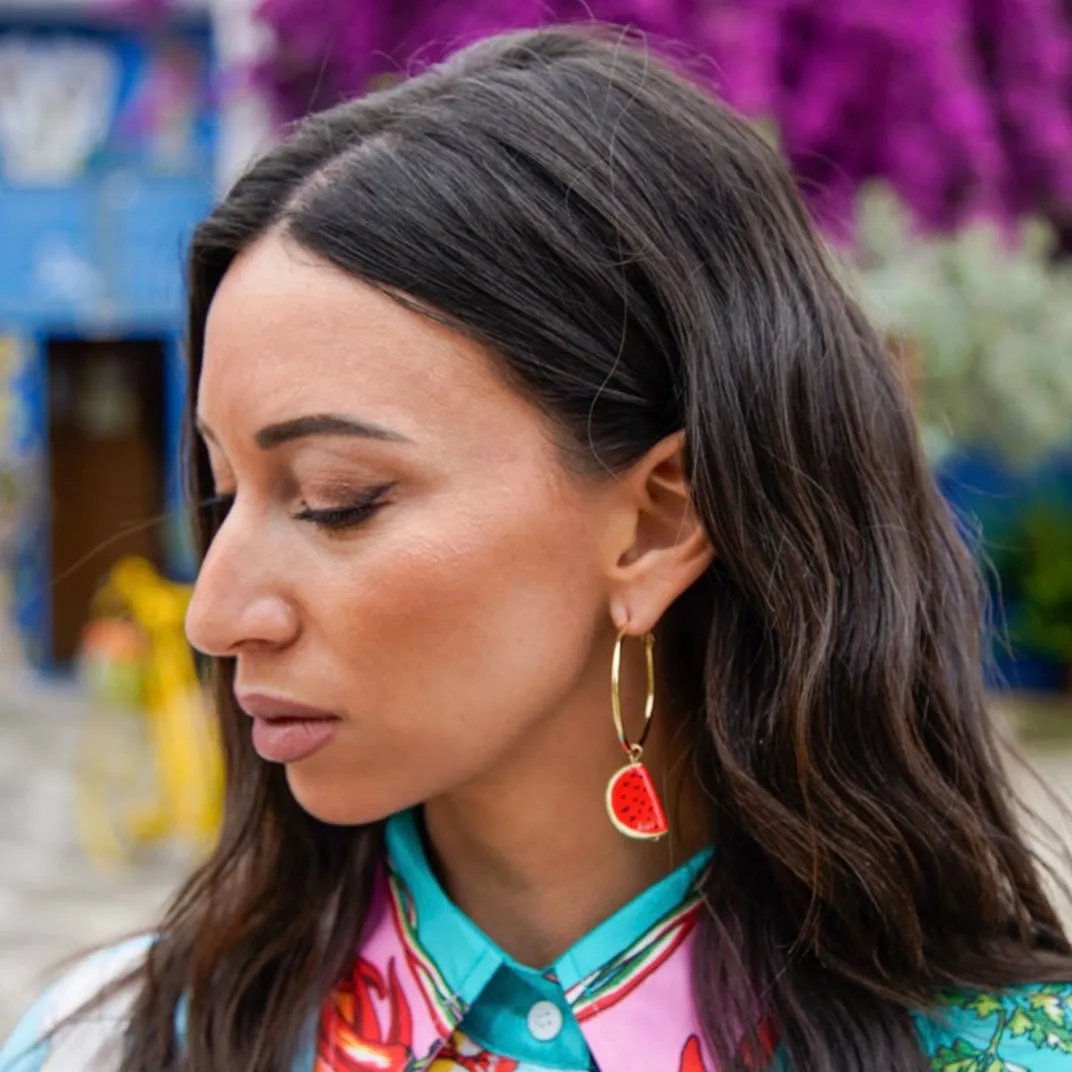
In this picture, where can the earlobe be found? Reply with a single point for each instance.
(654, 580)
(671, 548)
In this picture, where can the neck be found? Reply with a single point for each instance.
(529, 854)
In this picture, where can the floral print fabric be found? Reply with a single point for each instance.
(397, 1013)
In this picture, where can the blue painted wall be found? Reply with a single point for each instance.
(989, 497)
(101, 253)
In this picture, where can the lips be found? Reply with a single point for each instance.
(285, 731)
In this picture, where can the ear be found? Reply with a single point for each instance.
(668, 548)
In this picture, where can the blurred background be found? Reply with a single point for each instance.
(932, 138)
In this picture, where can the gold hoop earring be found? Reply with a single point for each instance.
(633, 803)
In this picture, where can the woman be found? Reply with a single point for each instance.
(523, 377)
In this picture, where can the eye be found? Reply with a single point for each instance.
(341, 518)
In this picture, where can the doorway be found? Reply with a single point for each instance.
(107, 472)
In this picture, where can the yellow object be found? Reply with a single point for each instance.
(149, 772)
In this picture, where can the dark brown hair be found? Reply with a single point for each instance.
(639, 261)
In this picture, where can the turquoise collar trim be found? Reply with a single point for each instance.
(632, 922)
(468, 958)
(464, 955)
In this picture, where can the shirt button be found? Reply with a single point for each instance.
(545, 1021)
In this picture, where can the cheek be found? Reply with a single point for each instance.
(455, 634)
(465, 604)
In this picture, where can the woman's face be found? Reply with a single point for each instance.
(405, 553)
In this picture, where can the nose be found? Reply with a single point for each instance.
(239, 599)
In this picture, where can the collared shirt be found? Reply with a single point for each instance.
(431, 992)
(489, 1013)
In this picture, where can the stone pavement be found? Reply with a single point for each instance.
(53, 903)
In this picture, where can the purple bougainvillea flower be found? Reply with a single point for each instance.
(963, 106)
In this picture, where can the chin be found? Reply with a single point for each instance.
(339, 804)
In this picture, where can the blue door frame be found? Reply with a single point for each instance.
(129, 220)
(33, 556)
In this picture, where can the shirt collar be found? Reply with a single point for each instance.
(626, 986)
(468, 959)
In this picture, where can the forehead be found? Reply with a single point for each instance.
(288, 333)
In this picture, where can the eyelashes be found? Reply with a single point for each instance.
(330, 519)
(354, 513)
(341, 518)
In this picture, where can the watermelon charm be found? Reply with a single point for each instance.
(633, 804)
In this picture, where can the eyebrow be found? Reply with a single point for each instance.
(314, 424)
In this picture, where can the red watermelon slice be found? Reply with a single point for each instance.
(633, 804)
